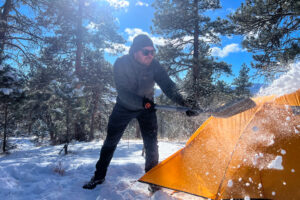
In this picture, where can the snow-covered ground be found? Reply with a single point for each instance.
(31, 172)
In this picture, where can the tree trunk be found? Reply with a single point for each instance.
(68, 123)
(196, 92)
(196, 51)
(79, 50)
(67, 139)
(3, 24)
(78, 67)
(5, 128)
(94, 112)
(30, 122)
(137, 130)
(196, 43)
(51, 128)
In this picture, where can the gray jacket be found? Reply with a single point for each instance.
(135, 81)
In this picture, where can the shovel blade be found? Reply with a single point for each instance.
(233, 108)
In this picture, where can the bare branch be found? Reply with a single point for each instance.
(14, 45)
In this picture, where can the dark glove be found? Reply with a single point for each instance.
(194, 111)
(148, 104)
(191, 113)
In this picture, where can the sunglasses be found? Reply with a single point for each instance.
(146, 52)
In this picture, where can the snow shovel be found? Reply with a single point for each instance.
(225, 111)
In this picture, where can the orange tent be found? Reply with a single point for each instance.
(253, 154)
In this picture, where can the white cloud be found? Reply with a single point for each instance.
(252, 34)
(230, 10)
(91, 25)
(231, 48)
(207, 38)
(132, 32)
(140, 3)
(117, 21)
(156, 40)
(136, 31)
(118, 3)
(215, 51)
(159, 40)
(117, 48)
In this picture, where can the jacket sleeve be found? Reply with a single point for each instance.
(167, 85)
(125, 94)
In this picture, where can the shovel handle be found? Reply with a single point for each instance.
(225, 111)
(174, 108)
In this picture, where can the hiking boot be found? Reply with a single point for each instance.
(93, 183)
(153, 188)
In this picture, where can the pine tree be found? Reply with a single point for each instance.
(42, 104)
(222, 93)
(80, 32)
(242, 83)
(70, 99)
(11, 95)
(18, 32)
(77, 26)
(272, 32)
(188, 33)
(98, 86)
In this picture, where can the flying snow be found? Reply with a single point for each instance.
(230, 183)
(285, 84)
(276, 163)
(282, 151)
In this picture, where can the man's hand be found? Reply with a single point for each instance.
(148, 104)
(194, 111)
(191, 113)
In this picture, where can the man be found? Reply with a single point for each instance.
(135, 75)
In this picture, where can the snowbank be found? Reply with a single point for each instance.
(285, 84)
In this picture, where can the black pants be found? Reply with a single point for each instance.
(117, 124)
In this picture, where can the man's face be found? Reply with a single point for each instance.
(145, 55)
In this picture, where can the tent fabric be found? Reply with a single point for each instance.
(252, 154)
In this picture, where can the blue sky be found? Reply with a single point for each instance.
(135, 16)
